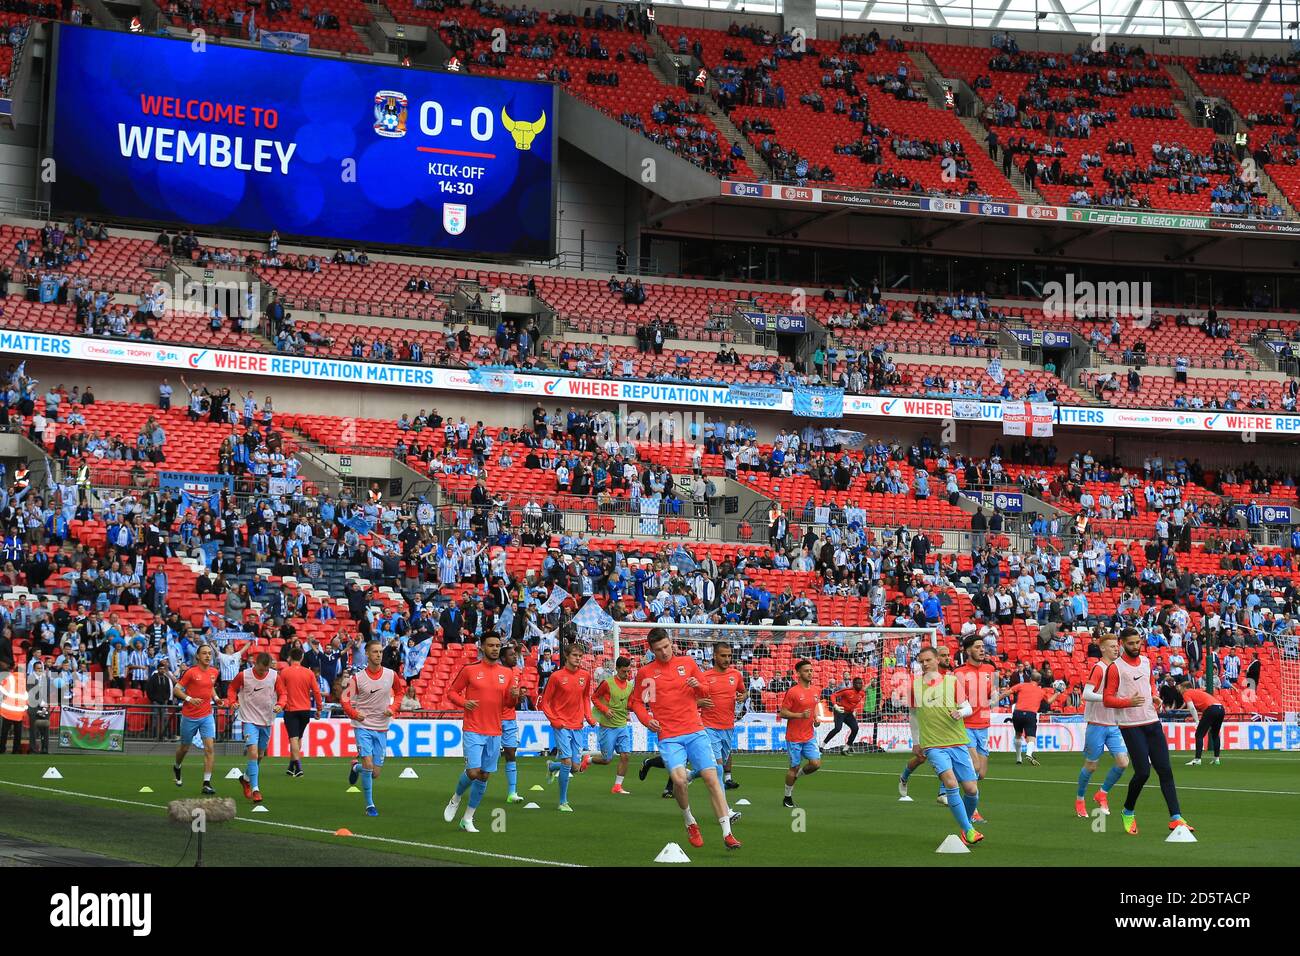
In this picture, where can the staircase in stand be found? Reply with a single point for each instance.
(1192, 91)
(1017, 178)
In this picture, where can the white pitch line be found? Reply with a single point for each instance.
(888, 773)
(306, 829)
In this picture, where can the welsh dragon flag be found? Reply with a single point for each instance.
(92, 729)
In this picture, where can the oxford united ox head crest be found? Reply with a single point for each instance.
(523, 133)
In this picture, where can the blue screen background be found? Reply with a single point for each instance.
(326, 107)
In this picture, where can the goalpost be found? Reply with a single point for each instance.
(1289, 661)
(766, 655)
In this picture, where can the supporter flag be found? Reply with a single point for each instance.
(92, 729)
(592, 621)
(995, 370)
(846, 439)
(493, 378)
(557, 597)
(764, 395)
(252, 25)
(358, 524)
(195, 496)
(415, 658)
(818, 402)
(49, 289)
(506, 620)
(69, 493)
(208, 552)
(285, 41)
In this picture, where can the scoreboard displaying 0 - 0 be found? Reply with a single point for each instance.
(218, 137)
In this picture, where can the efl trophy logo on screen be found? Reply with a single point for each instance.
(454, 217)
(390, 113)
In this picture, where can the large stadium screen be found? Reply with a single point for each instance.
(168, 131)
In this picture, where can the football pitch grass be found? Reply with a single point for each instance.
(849, 814)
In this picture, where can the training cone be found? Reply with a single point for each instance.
(904, 799)
(408, 774)
(343, 831)
(260, 809)
(1180, 835)
(352, 790)
(233, 773)
(146, 789)
(537, 786)
(531, 806)
(52, 774)
(952, 844)
(672, 853)
(742, 802)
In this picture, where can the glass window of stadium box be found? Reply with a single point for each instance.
(1177, 286)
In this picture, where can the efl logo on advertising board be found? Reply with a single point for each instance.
(1043, 212)
(746, 189)
(795, 192)
(945, 205)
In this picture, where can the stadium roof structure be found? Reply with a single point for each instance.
(1252, 20)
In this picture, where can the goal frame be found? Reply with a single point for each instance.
(929, 636)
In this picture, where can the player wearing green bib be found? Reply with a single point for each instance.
(609, 700)
(939, 708)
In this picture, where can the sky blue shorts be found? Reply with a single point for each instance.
(256, 736)
(370, 743)
(203, 727)
(723, 741)
(956, 759)
(1100, 738)
(614, 740)
(482, 751)
(977, 739)
(509, 733)
(694, 748)
(801, 752)
(570, 743)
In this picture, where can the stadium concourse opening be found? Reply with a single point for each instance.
(792, 442)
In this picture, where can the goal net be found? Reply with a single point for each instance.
(880, 658)
(1289, 679)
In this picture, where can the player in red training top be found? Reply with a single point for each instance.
(1210, 720)
(566, 702)
(979, 682)
(797, 709)
(846, 702)
(484, 691)
(665, 698)
(300, 698)
(726, 687)
(1029, 696)
(197, 688)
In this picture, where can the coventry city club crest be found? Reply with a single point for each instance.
(390, 113)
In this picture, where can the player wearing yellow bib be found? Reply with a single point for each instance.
(939, 708)
(609, 700)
